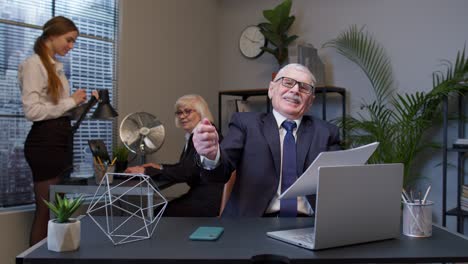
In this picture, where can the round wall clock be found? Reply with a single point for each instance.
(250, 42)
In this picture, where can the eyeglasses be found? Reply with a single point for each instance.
(185, 112)
(290, 83)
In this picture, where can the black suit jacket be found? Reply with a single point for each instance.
(252, 147)
(202, 199)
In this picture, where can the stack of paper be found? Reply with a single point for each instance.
(307, 183)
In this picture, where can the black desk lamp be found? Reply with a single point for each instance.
(104, 110)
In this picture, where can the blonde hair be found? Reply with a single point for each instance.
(56, 26)
(196, 102)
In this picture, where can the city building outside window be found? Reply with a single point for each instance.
(90, 65)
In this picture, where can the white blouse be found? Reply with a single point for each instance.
(37, 104)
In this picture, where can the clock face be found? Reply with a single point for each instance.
(250, 42)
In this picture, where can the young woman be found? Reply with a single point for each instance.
(202, 199)
(48, 104)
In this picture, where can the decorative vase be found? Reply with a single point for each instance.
(63, 236)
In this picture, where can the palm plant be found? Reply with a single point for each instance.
(398, 121)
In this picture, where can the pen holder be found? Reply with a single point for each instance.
(417, 219)
(101, 170)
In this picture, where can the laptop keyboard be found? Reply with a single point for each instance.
(308, 238)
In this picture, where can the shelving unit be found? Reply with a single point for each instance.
(264, 92)
(457, 211)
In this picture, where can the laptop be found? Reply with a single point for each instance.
(355, 204)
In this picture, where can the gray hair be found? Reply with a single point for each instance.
(196, 102)
(297, 67)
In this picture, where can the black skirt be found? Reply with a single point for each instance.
(49, 149)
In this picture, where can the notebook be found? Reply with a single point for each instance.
(355, 204)
(306, 184)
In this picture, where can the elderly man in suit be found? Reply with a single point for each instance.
(268, 150)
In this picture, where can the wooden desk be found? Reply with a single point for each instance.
(242, 239)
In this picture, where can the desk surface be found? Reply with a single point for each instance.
(242, 239)
(89, 186)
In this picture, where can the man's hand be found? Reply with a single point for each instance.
(206, 140)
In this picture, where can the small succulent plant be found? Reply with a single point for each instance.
(63, 208)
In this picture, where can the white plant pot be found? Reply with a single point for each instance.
(63, 236)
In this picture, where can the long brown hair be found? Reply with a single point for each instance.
(56, 26)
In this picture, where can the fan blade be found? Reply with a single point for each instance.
(129, 130)
(142, 133)
(155, 137)
(137, 145)
(130, 137)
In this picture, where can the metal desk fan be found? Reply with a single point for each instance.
(142, 133)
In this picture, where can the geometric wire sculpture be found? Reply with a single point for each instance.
(128, 215)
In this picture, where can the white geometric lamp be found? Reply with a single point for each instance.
(128, 211)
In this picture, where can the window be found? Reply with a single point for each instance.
(90, 65)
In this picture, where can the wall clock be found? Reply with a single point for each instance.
(250, 42)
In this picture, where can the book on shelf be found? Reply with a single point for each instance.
(464, 203)
(461, 143)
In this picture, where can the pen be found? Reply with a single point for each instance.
(404, 198)
(410, 210)
(426, 194)
(100, 162)
(405, 194)
(113, 161)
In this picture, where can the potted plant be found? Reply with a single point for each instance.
(120, 153)
(400, 122)
(276, 30)
(64, 232)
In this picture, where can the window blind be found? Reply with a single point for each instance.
(90, 65)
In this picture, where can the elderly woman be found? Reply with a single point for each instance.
(202, 199)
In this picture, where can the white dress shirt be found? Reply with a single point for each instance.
(303, 205)
(37, 104)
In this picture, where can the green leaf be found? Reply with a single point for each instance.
(63, 207)
(400, 122)
(286, 24)
(284, 9)
(270, 16)
(276, 31)
(272, 38)
(268, 50)
(289, 40)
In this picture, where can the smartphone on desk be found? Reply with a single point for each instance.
(207, 233)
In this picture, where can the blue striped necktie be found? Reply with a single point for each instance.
(288, 207)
